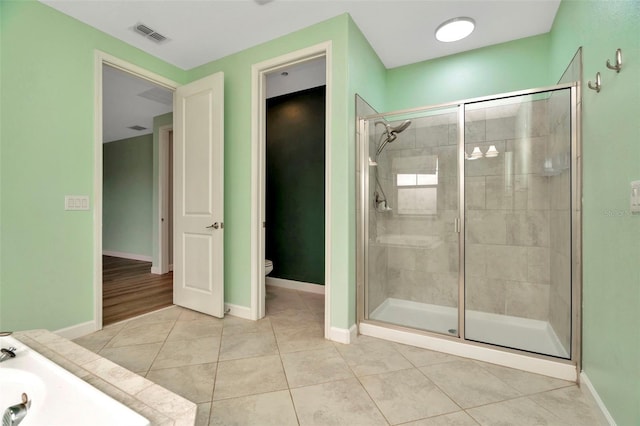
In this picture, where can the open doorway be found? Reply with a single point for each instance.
(135, 228)
(285, 86)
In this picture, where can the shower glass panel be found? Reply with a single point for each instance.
(412, 206)
(517, 214)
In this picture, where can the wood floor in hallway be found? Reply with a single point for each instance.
(129, 289)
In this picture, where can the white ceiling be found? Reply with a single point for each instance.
(400, 31)
(199, 31)
(123, 106)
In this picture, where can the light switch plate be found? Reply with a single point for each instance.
(76, 202)
(635, 197)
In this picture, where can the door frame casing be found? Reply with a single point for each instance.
(101, 58)
(258, 151)
(164, 209)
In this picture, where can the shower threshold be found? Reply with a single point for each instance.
(503, 330)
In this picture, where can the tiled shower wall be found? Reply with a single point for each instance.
(560, 218)
(508, 211)
(419, 253)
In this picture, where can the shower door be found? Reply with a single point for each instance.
(469, 220)
(410, 190)
(517, 212)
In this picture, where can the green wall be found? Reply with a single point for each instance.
(516, 65)
(127, 195)
(237, 121)
(47, 134)
(367, 78)
(611, 160)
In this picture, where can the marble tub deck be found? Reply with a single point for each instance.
(157, 404)
(281, 371)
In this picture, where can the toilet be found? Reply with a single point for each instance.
(268, 266)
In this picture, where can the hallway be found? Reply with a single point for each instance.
(129, 289)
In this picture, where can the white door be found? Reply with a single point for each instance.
(198, 146)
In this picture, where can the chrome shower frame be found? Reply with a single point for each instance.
(401, 333)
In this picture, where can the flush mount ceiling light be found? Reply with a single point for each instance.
(455, 29)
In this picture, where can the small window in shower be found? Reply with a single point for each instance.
(417, 191)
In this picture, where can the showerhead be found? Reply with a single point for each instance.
(392, 133)
(400, 128)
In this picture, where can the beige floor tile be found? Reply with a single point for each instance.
(314, 367)
(193, 382)
(455, 419)
(168, 314)
(294, 318)
(526, 383)
(249, 376)
(254, 390)
(372, 357)
(195, 329)
(187, 352)
(468, 384)
(96, 341)
(279, 299)
(265, 409)
(343, 402)
(134, 358)
(571, 405)
(407, 395)
(313, 302)
(189, 315)
(141, 333)
(247, 345)
(202, 415)
(234, 325)
(301, 339)
(521, 412)
(422, 357)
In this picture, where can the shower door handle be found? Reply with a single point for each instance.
(456, 225)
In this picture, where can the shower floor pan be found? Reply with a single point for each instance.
(504, 330)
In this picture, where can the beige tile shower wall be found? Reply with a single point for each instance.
(560, 217)
(422, 250)
(508, 211)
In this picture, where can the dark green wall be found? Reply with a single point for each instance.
(295, 185)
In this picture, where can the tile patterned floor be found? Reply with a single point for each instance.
(280, 371)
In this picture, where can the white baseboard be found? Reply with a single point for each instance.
(156, 269)
(594, 394)
(343, 335)
(238, 311)
(295, 285)
(77, 330)
(124, 255)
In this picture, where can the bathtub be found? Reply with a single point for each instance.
(57, 396)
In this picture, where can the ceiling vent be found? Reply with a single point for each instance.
(149, 33)
(137, 127)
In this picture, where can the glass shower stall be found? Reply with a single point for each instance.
(468, 221)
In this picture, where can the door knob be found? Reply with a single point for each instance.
(214, 226)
